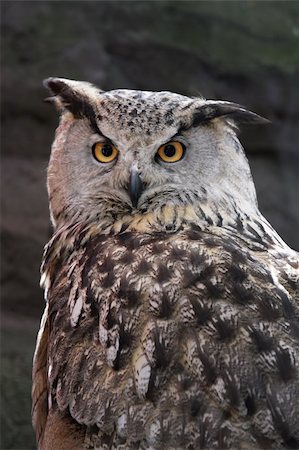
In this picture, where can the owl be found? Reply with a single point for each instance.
(172, 315)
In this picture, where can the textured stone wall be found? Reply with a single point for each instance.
(246, 52)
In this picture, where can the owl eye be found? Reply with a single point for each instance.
(104, 152)
(171, 152)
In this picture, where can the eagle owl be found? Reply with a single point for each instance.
(172, 316)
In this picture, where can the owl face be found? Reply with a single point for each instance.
(125, 152)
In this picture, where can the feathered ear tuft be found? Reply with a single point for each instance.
(78, 97)
(213, 109)
(57, 85)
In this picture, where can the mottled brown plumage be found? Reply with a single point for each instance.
(173, 325)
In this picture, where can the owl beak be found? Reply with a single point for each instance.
(135, 187)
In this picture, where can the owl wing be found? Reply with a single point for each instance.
(174, 340)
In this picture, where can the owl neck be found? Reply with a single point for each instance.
(172, 218)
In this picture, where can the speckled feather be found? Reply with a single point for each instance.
(171, 328)
(182, 340)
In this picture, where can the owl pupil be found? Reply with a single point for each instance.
(169, 151)
(107, 150)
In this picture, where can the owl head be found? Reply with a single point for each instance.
(126, 153)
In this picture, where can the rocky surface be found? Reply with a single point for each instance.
(247, 52)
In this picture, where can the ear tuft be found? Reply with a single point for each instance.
(78, 97)
(55, 85)
(66, 93)
(214, 109)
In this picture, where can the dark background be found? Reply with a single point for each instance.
(243, 51)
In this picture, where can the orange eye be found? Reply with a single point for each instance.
(171, 152)
(104, 152)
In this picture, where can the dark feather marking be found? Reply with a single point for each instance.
(185, 383)
(127, 239)
(197, 259)
(209, 220)
(250, 404)
(111, 319)
(85, 275)
(124, 227)
(203, 314)
(208, 368)
(124, 288)
(95, 246)
(165, 307)
(237, 255)
(193, 235)
(195, 227)
(162, 359)
(285, 365)
(144, 267)
(220, 220)
(107, 264)
(108, 280)
(207, 273)
(256, 236)
(128, 293)
(267, 307)
(127, 258)
(263, 343)
(124, 342)
(214, 290)
(158, 248)
(265, 277)
(124, 337)
(134, 240)
(232, 390)
(163, 273)
(239, 222)
(177, 253)
(90, 300)
(225, 329)
(195, 406)
(150, 393)
(211, 242)
(287, 305)
(236, 274)
(191, 278)
(261, 227)
(241, 295)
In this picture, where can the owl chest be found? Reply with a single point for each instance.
(150, 277)
(123, 293)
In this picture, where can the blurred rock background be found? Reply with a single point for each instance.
(243, 51)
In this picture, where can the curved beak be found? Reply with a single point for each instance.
(135, 186)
